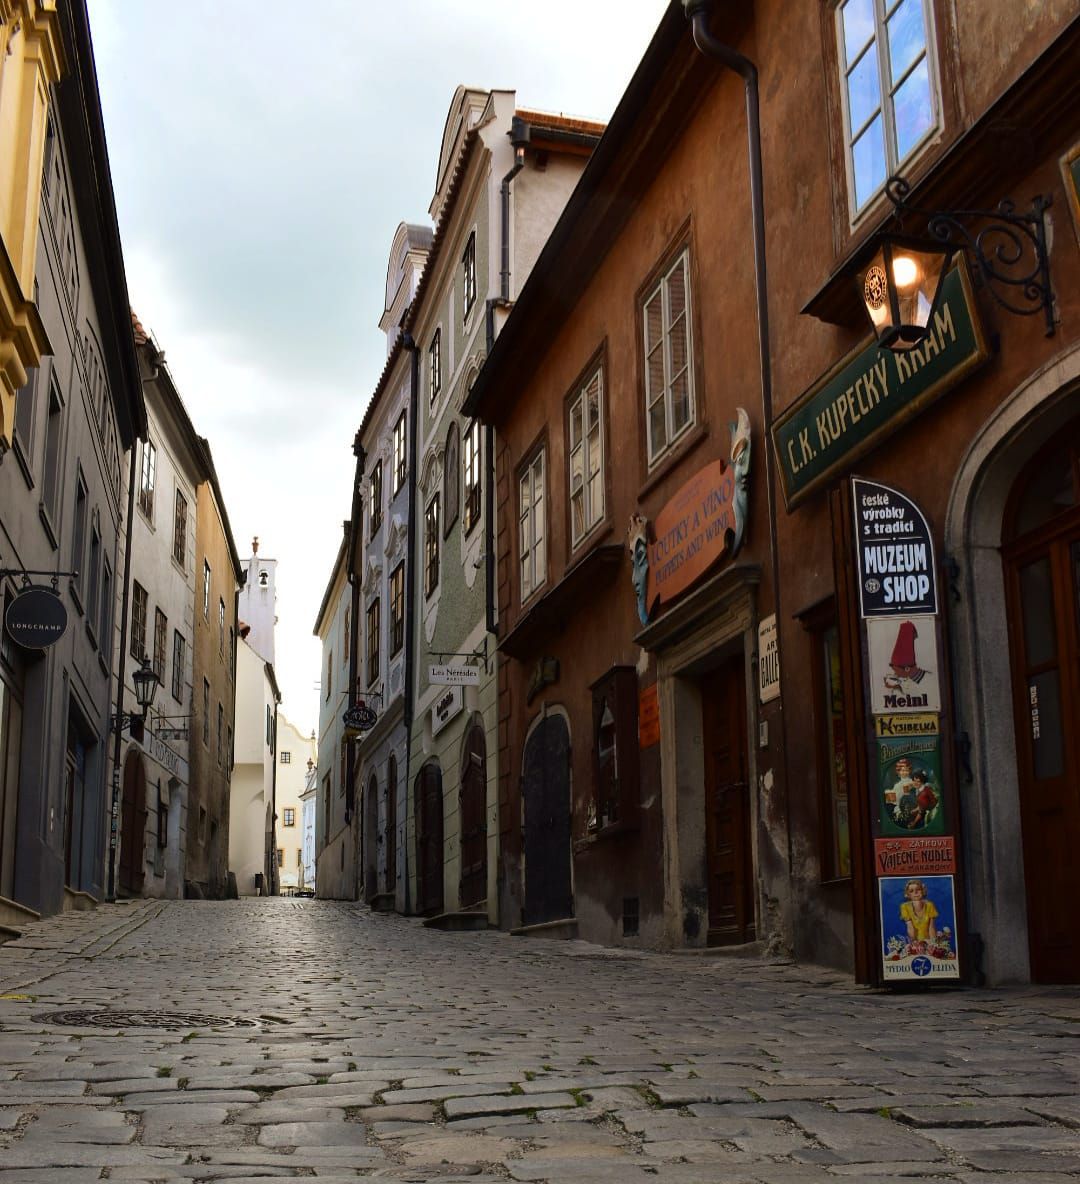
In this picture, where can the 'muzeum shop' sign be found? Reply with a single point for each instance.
(873, 391)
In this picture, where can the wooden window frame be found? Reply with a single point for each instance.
(616, 770)
(468, 262)
(179, 548)
(655, 286)
(140, 609)
(401, 453)
(376, 491)
(179, 662)
(435, 366)
(147, 480)
(374, 647)
(161, 638)
(397, 609)
(594, 371)
(532, 548)
(472, 477)
(432, 548)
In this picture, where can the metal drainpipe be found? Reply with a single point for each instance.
(697, 12)
(519, 137)
(409, 343)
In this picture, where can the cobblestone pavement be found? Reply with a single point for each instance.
(382, 1050)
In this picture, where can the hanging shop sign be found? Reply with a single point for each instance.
(36, 618)
(454, 676)
(705, 520)
(872, 392)
(166, 757)
(894, 552)
(768, 648)
(448, 704)
(903, 664)
(359, 718)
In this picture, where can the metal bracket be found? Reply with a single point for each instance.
(480, 653)
(998, 250)
(24, 574)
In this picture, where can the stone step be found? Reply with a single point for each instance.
(76, 900)
(457, 922)
(565, 929)
(14, 914)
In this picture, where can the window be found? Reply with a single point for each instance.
(373, 626)
(435, 366)
(329, 673)
(343, 771)
(105, 628)
(24, 409)
(347, 634)
(147, 479)
(586, 452)
(669, 377)
(431, 546)
(230, 756)
(470, 464)
(78, 539)
(286, 757)
(400, 453)
(281, 857)
(179, 544)
(93, 576)
(397, 608)
(832, 754)
(532, 540)
(139, 609)
(326, 809)
(468, 263)
(161, 633)
(206, 590)
(289, 816)
(615, 749)
(221, 626)
(179, 648)
(889, 85)
(451, 480)
(376, 498)
(50, 484)
(206, 712)
(220, 734)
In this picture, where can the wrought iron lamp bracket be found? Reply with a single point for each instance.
(1009, 252)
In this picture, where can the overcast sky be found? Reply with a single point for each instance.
(263, 153)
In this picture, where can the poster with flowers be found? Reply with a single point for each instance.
(918, 928)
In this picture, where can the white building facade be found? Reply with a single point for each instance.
(295, 754)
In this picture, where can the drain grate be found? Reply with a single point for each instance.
(169, 1020)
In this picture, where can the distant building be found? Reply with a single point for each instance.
(307, 810)
(295, 752)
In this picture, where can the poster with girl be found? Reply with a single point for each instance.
(909, 785)
(918, 928)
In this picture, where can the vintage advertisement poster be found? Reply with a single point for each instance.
(918, 928)
(926, 856)
(903, 664)
(909, 796)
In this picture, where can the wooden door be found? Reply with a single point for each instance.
(549, 894)
(429, 840)
(132, 824)
(10, 734)
(729, 865)
(1043, 582)
(473, 819)
(69, 817)
(391, 826)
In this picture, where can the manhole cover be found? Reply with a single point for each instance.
(140, 1019)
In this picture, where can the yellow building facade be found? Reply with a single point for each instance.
(31, 60)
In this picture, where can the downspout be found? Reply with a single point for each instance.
(519, 137)
(274, 879)
(697, 12)
(409, 343)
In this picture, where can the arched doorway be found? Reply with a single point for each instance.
(428, 805)
(391, 826)
(133, 824)
(473, 889)
(1041, 553)
(545, 787)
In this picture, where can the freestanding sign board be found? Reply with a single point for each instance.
(910, 807)
(36, 618)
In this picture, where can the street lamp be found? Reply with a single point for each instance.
(901, 284)
(146, 683)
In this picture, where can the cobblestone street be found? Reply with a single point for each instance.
(380, 1049)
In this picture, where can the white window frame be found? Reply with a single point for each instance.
(147, 480)
(532, 525)
(468, 261)
(592, 457)
(661, 290)
(400, 452)
(432, 547)
(471, 457)
(883, 11)
(435, 365)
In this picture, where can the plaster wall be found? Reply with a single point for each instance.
(291, 780)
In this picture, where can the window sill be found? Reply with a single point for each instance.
(615, 830)
(76, 597)
(91, 634)
(46, 521)
(581, 550)
(677, 454)
(23, 461)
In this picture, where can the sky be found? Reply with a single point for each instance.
(263, 154)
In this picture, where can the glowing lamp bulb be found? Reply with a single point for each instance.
(905, 271)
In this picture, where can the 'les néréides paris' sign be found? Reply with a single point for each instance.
(894, 552)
